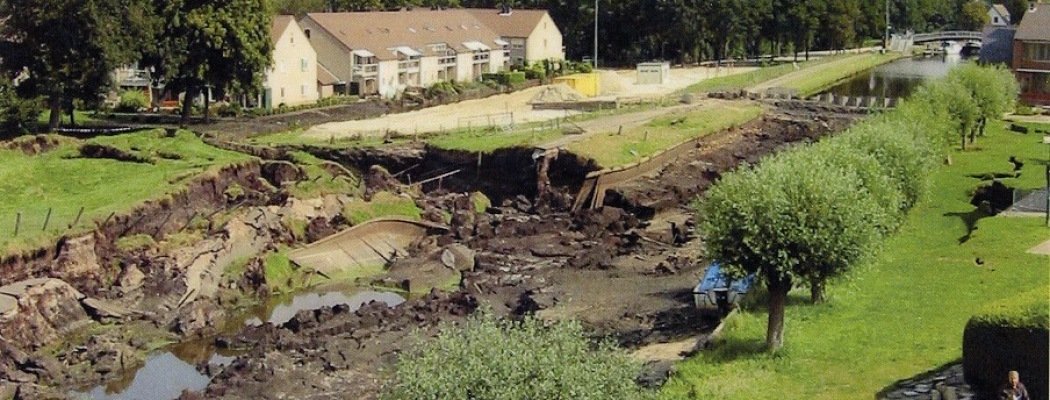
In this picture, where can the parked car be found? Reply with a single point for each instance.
(716, 294)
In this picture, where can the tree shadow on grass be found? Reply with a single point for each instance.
(987, 176)
(970, 219)
(730, 349)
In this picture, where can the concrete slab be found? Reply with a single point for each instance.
(1042, 249)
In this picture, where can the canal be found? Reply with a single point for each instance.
(168, 372)
(898, 79)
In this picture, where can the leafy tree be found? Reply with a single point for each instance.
(488, 358)
(955, 99)
(71, 47)
(790, 220)
(1017, 9)
(905, 155)
(994, 90)
(223, 45)
(973, 16)
(301, 7)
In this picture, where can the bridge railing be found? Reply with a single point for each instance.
(945, 35)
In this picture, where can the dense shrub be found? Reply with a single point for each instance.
(492, 359)
(17, 115)
(132, 101)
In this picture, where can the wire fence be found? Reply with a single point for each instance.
(32, 221)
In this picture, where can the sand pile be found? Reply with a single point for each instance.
(559, 93)
(612, 83)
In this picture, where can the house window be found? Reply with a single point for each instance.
(1038, 51)
(307, 33)
(303, 65)
(291, 39)
(282, 93)
(995, 20)
(302, 90)
(544, 44)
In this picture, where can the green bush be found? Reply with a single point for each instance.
(132, 101)
(230, 110)
(17, 115)
(1027, 310)
(487, 358)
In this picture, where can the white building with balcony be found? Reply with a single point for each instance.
(383, 53)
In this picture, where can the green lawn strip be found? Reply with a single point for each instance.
(80, 116)
(611, 150)
(319, 181)
(812, 82)
(487, 141)
(60, 180)
(899, 316)
(383, 204)
(736, 82)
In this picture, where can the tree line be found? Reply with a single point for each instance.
(694, 30)
(805, 216)
(66, 50)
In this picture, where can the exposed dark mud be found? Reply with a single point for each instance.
(625, 272)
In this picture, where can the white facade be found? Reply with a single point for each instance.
(292, 79)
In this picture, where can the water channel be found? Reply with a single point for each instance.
(168, 372)
(897, 79)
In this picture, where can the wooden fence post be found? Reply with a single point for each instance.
(18, 222)
(47, 219)
(77, 219)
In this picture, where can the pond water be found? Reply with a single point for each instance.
(167, 373)
(897, 79)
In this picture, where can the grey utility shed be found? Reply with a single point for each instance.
(653, 73)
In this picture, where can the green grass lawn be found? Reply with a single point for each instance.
(737, 82)
(903, 314)
(811, 81)
(60, 180)
(611, 150)
(80, 115)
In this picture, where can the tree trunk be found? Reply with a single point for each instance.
(963, 141)
(72, 116)
(816, 291)
(207, 103)
(55, 119)
(187, 106)
(778, 292)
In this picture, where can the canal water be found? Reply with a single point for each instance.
(897, 79)
(167, 373)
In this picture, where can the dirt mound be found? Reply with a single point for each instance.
(32, 145)
(559, 93)
(95, 150)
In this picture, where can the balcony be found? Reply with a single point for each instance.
(366, 70)
(133, 78)
(407, 65)
(481, 57)
(447, 60)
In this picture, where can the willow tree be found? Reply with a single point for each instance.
(791, 220)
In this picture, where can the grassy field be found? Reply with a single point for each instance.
(810, 81)
(62, 181)
(611, 150)
(901, 315)
(737, 82)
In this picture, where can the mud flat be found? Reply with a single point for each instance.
(624, 270)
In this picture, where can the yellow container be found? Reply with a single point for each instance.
(586, 84)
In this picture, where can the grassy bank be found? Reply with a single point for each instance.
(611, 150)
(63, 182)
(902, 314)
(736, 82)
(810, 81)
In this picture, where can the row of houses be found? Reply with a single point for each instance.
(1024, 46)
(384, 53)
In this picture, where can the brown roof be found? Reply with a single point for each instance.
(1035, 26)
(519, 23)
(280, 23)
(325, 77)
(382, 31)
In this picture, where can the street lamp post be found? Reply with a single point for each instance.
(595, 34)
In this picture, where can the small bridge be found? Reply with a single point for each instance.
(942, 36)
